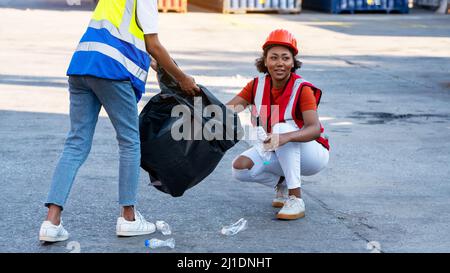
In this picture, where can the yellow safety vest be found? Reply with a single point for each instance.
(113, 46)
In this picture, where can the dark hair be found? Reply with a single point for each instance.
(261, 67)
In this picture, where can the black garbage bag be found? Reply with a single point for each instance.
(175, 165)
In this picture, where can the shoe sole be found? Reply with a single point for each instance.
(52, 239)
(290, 216)
(129, 233)
(277, 204)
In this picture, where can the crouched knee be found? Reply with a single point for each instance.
(242, 163)
(241, 168)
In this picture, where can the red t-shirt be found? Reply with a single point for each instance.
(307, 98)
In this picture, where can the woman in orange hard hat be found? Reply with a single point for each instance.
(285, 105)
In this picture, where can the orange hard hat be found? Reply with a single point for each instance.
(282, 37)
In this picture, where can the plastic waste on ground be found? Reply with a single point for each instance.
(163, 227)
(259, 145)
(156, 243)
(235, 228)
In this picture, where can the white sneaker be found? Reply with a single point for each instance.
(139, 226)
(281, 195)
(294, 208)
(52, 233)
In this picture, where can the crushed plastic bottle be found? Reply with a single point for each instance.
(156, 243)
(233, 229)
(259, 145)
(163, 227)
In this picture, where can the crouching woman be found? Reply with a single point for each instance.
(285, 105)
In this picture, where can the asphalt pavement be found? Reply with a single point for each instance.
(386, 85)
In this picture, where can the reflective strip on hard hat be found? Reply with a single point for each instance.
(115, 54)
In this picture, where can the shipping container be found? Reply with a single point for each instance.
(172, 5)
(427, 3)
(431, 4)
(243, 6)
(352, 6)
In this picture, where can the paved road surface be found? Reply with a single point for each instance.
(386, 83)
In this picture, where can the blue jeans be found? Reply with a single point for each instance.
(87, 96)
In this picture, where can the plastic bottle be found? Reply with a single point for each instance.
(163, 227)
(259, 145)
(156, 243)
(233, 229)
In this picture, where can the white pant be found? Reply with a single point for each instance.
(291, 160)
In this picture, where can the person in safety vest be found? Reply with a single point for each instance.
(109, 69)
(285, 105)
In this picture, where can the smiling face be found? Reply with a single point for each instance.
(279, 62)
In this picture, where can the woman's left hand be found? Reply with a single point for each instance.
(273, 141)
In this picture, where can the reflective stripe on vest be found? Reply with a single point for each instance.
(119, 33)
(288, 114)
(259, 95)
(260, 86)
(115, 54)
(289, 110)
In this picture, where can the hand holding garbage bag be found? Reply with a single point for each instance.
(186, 82)
(176, 164)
